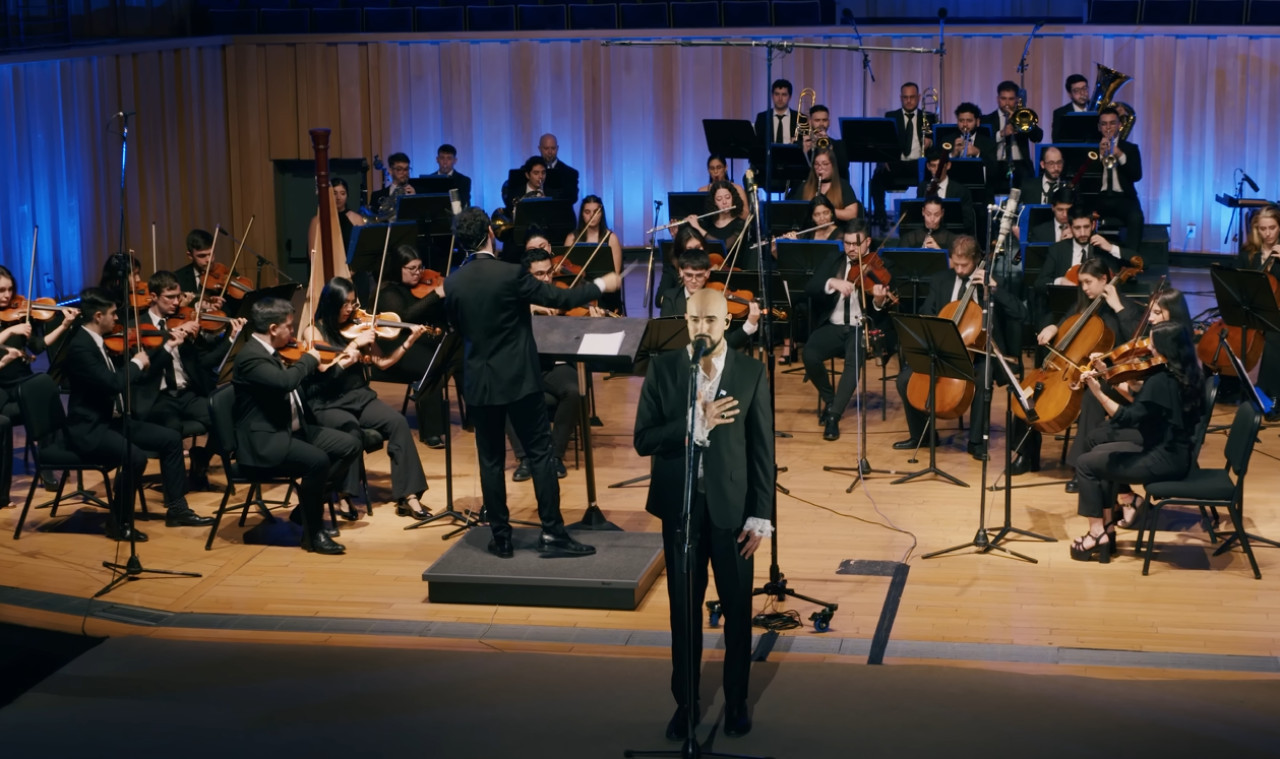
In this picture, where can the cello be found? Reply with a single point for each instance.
(1056, 385)
(952, 396)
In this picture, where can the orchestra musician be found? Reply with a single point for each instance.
(1164, 414)
(838, 313)
(1085, 243)
(824, 180)
(562, 179)
(593, 224)
(778, 125)
(179, 392)
(727, 226)
(938, 184)
(19, 340)
(915, 136)
(275, 430)
(1118, 198)
(559, 380)
(487, 301)
(199, 261)
(535, 177)
(1078, 90)
(340, 396)
(685, 238)
(1058, 228)
(694, 266)
(1039, 190)
(114, 270)
(932, 235)
(1116, 313)
(819, 127)
(398, 168)
(821, 212)
(446, 166)
(347, 219)
(1014, 149)
(732, 499)
(947, 286)
(1261, 251)
(971, 142)
(96, 417)
(718, 171)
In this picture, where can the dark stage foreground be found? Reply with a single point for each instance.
(616, 577)
(143, 697)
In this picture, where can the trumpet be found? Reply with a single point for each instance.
(675, 224)
(960, 148)
(1108, 150)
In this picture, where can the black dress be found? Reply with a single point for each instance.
(429, 403)
(12, 375)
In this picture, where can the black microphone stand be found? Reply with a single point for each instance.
(281, 277)
(690, 749)
(649, 289)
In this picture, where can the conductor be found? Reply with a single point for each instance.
(732, 499)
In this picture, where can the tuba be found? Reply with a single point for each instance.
(1108, 83)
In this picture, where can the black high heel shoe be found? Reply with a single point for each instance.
(1081, 552)
(1138, 504)
(403, 509)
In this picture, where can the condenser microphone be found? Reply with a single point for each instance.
(455, 202)
(1008, 215)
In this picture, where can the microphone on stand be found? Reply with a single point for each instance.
(1008, 214)
(1249, 181)
(700, 348)
(455, 202)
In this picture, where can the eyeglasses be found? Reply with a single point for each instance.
(413, 268)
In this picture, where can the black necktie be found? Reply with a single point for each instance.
(777, 133)
(170, 376)
(911, 121)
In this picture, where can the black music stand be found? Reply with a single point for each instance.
(666, 333)
(731, 138)
(553, 215)
(788, 215)
(797, 260)
(364, 254)
(873, 140)
(970, 172)
(932, 345)
(913, 211)
(790, 164)
(611, 345)
(1080, 127)
(432, 212)
(913, 266)
(682, 204)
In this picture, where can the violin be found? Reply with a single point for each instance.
(210, 321)
(717, 263)
(148, 335)
(139, 297)
(1135, 360)
(219, 277)
(562, 265)
(869, 270)
(740, 302)
(42, 309)
(294, 350)
(431, 279)
(386, 325)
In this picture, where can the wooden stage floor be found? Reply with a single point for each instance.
(965, 606)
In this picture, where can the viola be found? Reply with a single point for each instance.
(386, 325)
(869, 270)
(294, 350)
(717, 263)
(1137, 366)
(210, 321)
(42, 309)
(220, 277)
(740, 302)
(431, 279)
(139, 297)
(562, 265)
(149, 336)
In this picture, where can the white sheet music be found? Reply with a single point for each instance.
(601, 344)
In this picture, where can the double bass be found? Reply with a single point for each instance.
(1056, 386)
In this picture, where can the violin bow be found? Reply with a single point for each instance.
(377, 290)
(732, 258)
(556, 269)
(583, 270)
(204, 280)
(155, 260)
(1151, 303)
(236, 259)
(31, 272)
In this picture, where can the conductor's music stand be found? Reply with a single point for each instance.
(932, 345)
(666, 333)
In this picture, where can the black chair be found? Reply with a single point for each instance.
(40, 402)
(284, 21)
(696, 14)
(232, 21)
(223, 439)
(491, 18)
(747, 13)
(1219, 12)
(370, 441)
(1264, 12)
(388, 20)
(1166, 12)
(644, 16)
(1210, 488)
(542, 18)
(1114, 11)
(797, 13)
(336, 20)
(444, 19)
(603, 16)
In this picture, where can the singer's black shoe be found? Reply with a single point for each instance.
(522, 474)
(831, 428)
(1072, 486)
(737, 719)
(554, 545)
(502, 548)
(678, 727)
(115, 532)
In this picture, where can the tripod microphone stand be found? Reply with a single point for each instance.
(864, 467)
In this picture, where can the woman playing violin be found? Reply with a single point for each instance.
(821, 211)
(1262, 251)
(111, 281)
(727, 225)
(1164, 414)
(342, 399)
(347, 219)
(718, 171)
(593, 225)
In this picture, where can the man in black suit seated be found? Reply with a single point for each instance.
(1058, 228)
(488, 301)
(276, 431)
(1014, 149)
(96, 421)
(398, 168)
(1118, 198)
(915, 136)
(1036, 190)
(562, 179)
(732, 500)
(936, 164)
(191, 277)
(1078, 91)
(838, 318)
(1085, 243)
(180, 391)
(932, 235)
(694, 266)
(446, 161)
(948, 286)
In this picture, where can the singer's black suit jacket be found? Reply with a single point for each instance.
(738, 467)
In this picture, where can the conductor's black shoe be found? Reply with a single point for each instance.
(322, 543)
(831, 429)
(522, 472)
(434, 441)
(561, 472)
(678, 727)
(115, 532)
(185, 517)
(737, 719)
(1072, 486)
(552, 545)
(502, 548)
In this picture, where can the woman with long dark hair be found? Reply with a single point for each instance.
(727, 225)
(824, 179)
(593, 225)
(1164, 413)
(342, 399)
(718, 171)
